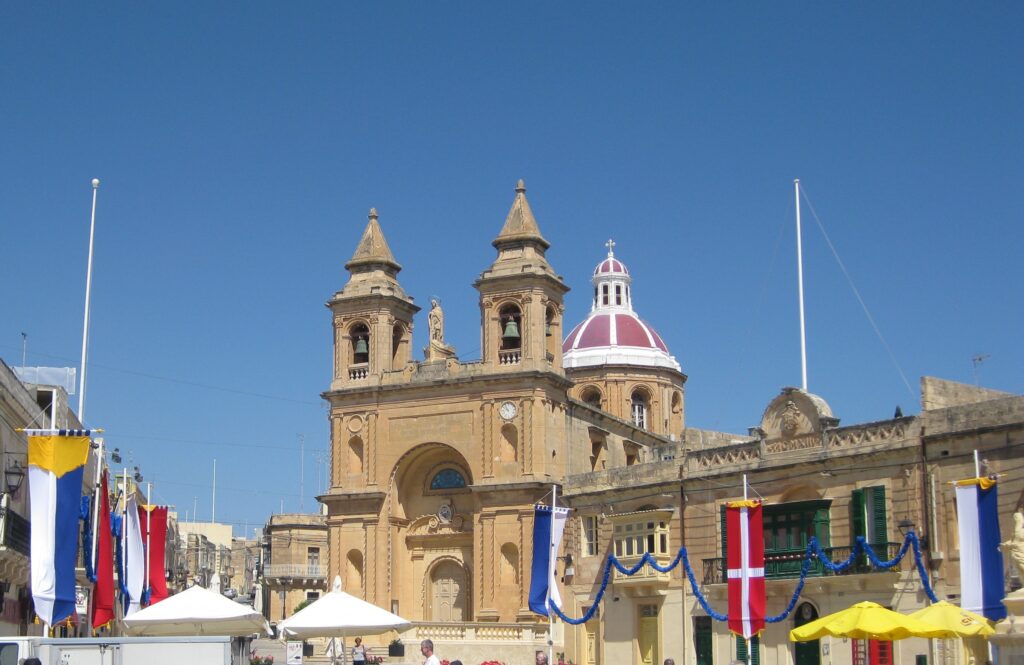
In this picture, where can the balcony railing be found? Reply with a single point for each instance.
(360, 371)
(465, 631)
(783, 564)
(646, 575)
(303, 570)
(509, 357)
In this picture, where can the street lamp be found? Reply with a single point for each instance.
(570, 570)
(14, 475)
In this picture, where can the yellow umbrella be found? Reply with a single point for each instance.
(955, 619)
(867, 621)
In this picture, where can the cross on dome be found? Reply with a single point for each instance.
(611, 247)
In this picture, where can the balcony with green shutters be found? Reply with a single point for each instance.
(789, 526)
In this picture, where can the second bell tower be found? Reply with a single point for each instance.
(521, 297)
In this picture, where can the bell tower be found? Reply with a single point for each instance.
(372, 315)
(521, 297)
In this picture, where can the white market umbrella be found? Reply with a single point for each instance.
(196, 611)
(338, 614)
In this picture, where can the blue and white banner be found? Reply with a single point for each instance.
(56, 464)
(133, 561)
(981, 562)
(548, 525)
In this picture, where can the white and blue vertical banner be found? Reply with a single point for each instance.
(56, 464)
(981, 562)
(548, 526)
(133, 561)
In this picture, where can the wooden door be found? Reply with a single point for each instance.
(448, 592)
(647, 636)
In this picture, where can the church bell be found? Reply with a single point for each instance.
(361, 346)
(511, 330)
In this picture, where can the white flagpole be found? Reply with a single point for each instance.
(96, 501)
(747, 639)
(88, 292)
(551, 575)
(149, 524)
(977, 465)
(213, 505)
(800, 287)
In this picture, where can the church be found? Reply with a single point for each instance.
(436, 466)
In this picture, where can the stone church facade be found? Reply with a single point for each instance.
(436, 466)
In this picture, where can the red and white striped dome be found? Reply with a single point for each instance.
(611, 265)
(613, 334)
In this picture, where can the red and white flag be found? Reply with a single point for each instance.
(745, 567)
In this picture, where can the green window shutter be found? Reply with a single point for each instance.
(755, 650)
(878, 517)
(858, 521)
(821, 527)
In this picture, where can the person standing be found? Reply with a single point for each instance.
(359, 652)
(427, 649)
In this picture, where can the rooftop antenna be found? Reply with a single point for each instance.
(24, 350)
(976, 362)
(302, 473)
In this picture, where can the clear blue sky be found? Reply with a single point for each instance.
(241, 145)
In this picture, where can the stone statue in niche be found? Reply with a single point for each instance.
(436, 349)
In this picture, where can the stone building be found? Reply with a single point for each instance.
(294, 562)
(436, 466)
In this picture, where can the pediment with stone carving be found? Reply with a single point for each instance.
(794, 420)
(437, 525)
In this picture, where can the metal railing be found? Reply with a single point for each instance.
(783, 564)
(304, 570)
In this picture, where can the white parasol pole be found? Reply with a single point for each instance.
(149, 525)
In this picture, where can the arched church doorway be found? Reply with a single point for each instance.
(448, 592)
(806, 653)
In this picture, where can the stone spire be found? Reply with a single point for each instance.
(520, 225)
(373, 251)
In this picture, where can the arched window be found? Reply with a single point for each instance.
(360, 337)
(396, 346)
(448, 479)
(591, 396)
(552, 332)
(639, 407)
(511, 331)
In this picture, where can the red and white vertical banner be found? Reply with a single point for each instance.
(745, 567)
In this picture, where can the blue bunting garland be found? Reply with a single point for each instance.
(814, 550)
